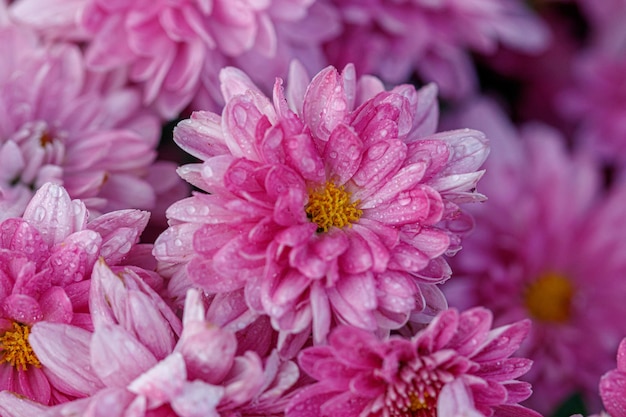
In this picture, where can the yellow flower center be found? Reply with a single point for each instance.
(16, 350)
(331, 206)
(421, 403)
(549, 298)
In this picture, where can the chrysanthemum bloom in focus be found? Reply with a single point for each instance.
(548, 245)
(174, 49)
(613, 385)
(392, 39)
(57, 124)
(46, 259)
(457, 363)
(139, 361)
(334, 205)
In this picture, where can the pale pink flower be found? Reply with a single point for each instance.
(333, 205)
(456, 366)
(174, 49)
(46, 259)
(613, 385)
(392, 39)
(135, 359)
(548, 245)
(57, 125)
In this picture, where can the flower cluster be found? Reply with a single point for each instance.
(312, 208)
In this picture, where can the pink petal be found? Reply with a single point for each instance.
(33, 384)
(612, 388)
(17, 235)
(14, 405)
(320, 310)
(419, 205)
(239, 123)
(63, 350)
(621, 356)
(296, 88)
(208, 351)
(56, 306)
(503, 341)
(455, 399)
(54, 214)
(161, 383)
(380, 160)
(343, 153)
(118, 358)
(201, 135)
(474, 324)
(354, 298)
(244, 380)
(325, 104)
(427, 115)
(198, 399)
(22, 308)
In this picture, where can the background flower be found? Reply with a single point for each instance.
(57, 125)
(555, 258)
(392, 39)
(174, 50)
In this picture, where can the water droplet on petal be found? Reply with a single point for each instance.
(40, 214)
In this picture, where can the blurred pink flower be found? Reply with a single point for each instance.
(613, 385)
(332, 205)
(174, 49)
(434, 38)
(596, 101)
(46, 259)
(456, 364)
(548, 245)
(56, 125)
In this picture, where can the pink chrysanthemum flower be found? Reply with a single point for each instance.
(334, 205)
(56, 125)
(394, 38)
(548, 245)
(613, 385)
(46, 259)
(134, 362)
(457, 362)
(174, 49)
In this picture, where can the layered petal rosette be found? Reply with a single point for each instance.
(456, 366)
(59, 124)
(46, 260)
(140, 361)
(331, 205)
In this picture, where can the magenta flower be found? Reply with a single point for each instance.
(46, 259)
(174, 49)
(335, 209)
(135, 360)
(556, 259)
(613, 385)
(456, 363)
(58, 124)
(392, 39)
